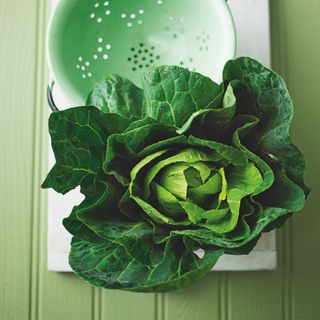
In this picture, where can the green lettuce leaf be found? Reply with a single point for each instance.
(109, 266)
(125, 149)
(274, 104)
(118, 95)
(79, 138)
(173, 94)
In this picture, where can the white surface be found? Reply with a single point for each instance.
(252, 23)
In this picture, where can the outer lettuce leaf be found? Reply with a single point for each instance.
(98, 215)
(270, 93)
(213, 124)
(118, 95)
(173, 94)
(78, 141)
(79, 229)
(109, 266)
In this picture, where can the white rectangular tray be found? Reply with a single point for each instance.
(253, 28)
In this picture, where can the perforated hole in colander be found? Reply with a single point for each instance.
(142, 56)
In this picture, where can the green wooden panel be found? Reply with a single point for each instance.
(62, 296)
(302, 51)
(17, 78)
(117, 305)
(203, 301)
(255, 295)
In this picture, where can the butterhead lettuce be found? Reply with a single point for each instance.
(179, 165)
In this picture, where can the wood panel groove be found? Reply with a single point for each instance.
(286, 251)
(287, 272)
(223, 296)
(96, 304)
(199, 302)
(160, 306)
(37, 159)
(92, 304)
(220, 299)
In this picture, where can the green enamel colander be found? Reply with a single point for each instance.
(89, 39)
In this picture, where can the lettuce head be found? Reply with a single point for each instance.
(180, 165)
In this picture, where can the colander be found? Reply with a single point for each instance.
(89, 39)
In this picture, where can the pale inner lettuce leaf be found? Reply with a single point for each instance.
(173, 179)
(201, 193)
(187, 156)
(187, 189)
(167, 201)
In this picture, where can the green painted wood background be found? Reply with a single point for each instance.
(29, 291)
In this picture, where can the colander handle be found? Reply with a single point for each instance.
(50, 99)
